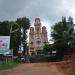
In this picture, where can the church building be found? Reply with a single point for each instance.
(37, 37)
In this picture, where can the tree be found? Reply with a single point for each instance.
(24, 24)
(4, 28)
(13, 29)
(62, 35)
(47, 48)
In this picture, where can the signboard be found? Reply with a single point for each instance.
(5, 42)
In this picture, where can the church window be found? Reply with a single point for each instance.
(45, 35)
(31, 43)
(38, 42)
(37, 29)
(32, 36)
(38, 38)
(31, 48)
(45, 42)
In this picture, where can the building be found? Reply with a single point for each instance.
(37, 37)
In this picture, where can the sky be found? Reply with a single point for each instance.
(49, 11)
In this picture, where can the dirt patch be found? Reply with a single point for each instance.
(34, 69)
(67, 67)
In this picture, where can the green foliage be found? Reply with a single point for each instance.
(62, 35)
(24, 24)
(14, 43)
(4, 28)
(47, 48)
(17, 60)
(13, 29)
(63, 32)
(8, 65)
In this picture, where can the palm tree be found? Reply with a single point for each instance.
(62, 35)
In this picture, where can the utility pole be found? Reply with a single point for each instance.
(12, 31)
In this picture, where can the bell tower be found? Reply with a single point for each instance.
(37, 25)
(38, 41)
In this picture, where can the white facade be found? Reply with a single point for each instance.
(37, 37)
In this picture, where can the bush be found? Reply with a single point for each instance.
(17, 60)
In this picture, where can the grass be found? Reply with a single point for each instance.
(8, 65)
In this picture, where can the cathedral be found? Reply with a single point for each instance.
(37, 37)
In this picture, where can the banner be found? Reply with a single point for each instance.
(5, 42)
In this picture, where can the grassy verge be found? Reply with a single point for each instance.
(8, 65)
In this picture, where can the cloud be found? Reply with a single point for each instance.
(10, 8)
(50, 11)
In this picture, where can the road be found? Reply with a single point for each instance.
(34, 69)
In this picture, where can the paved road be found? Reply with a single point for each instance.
(33, 69)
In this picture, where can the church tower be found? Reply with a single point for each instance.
(37, 37)
(44, 35)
